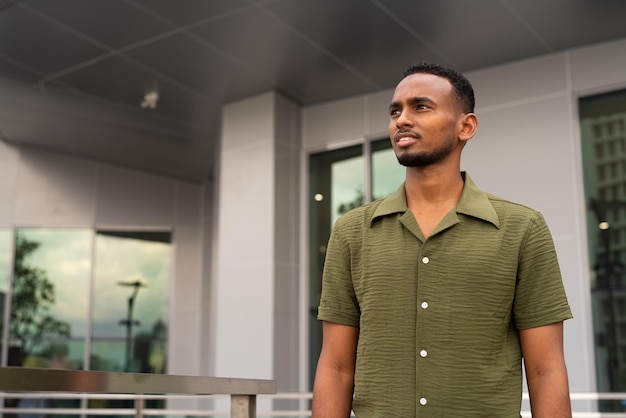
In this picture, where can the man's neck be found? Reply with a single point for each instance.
(431, 186)
(431, 193)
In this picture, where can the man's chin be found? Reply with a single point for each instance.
(412, 160)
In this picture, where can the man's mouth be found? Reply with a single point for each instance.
(405, 137)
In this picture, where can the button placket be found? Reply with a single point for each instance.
(422, 353)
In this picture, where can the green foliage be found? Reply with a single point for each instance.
(32, 296)
(355, 203)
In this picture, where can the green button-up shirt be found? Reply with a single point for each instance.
(438, 318)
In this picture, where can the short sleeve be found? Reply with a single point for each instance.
(338, 302)
(540, 297)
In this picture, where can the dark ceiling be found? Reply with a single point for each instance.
(73, 73)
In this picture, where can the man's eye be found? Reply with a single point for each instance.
(421, 107)
(394, 112)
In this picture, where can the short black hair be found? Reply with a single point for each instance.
(461, 86)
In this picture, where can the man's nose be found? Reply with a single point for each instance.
(403, 119)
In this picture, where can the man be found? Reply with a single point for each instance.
(431, 296)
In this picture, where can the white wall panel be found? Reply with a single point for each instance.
(338, 121)
(377, 114)
(54, 190)
(286, 245)
(9, 165)
(186, 301)
(600, 67)
(128, 197)
(189, 205)
(186, 294)
(523, 153)
(579, 349)
(519, 81)
(244, 281)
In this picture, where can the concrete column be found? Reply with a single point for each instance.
(255, 288)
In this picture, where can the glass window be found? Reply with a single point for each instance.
(336, 185)
(131, 279)
(603, 118)
(387, 173)
(49, 303)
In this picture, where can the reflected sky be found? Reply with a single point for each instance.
(387, 173)
(347, 183)
(65, 255)
(127, 260)
(347, 178)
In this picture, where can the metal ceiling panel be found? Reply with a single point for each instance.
(374, 45)
(201, 68)
(55, 119)
(39, 44)
(90, 62)
(467, 34)
(119, 82)
(182, 13)
(113, 23)
(10, 68)
(292, 64)
(114, 79)
(569, 24)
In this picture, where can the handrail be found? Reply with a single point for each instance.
(242, 392)
(19, 382)
(303, 411)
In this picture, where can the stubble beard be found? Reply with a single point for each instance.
(425, 158)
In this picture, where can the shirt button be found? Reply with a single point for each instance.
(423, 401)
(423, 353)
(424, 305)
(425, 260)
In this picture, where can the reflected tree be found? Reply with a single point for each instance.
(358, 200)
(355, 203)
(32, 296)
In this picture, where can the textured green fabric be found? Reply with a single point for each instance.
(487, 270)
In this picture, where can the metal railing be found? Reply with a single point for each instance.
(302, 398)
(242, 392)
(51, 384)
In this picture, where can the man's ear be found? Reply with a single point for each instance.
(469, 126)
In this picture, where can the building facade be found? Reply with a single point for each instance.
(241, 293)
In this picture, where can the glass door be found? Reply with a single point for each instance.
(336, 185)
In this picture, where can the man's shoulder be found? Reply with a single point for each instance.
(506, 208)
(358, 217)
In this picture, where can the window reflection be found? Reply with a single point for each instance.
(603, 119)
(48, 313)
(131, 281)
(387, 173)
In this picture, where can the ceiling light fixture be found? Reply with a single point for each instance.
(150, 100)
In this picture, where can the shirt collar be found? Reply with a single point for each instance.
(474, 202)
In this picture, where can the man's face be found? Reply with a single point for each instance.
(424, 120)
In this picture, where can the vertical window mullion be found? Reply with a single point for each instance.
(367, 172)
(7, 305)
(89, 328)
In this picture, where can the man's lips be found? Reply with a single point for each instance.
(405, 138)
